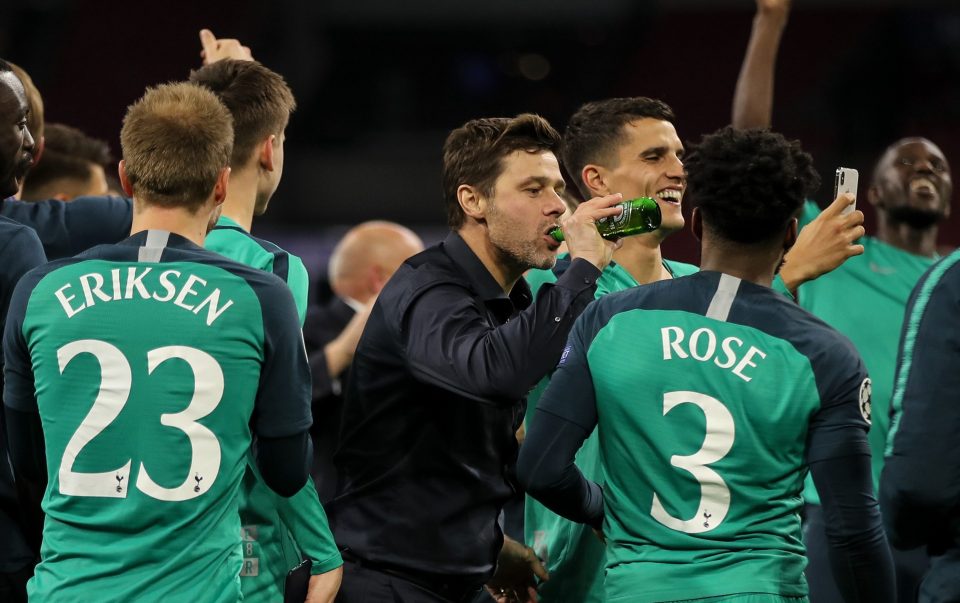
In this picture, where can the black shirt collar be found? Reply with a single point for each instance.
(487, 287)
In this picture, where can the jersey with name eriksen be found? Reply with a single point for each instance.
(145, 361)
(704, 389)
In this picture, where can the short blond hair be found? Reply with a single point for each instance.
(176, 139)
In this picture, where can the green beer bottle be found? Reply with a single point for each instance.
(639, 215)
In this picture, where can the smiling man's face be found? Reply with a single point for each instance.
(912, 183)
(649, 163)
(16, 142)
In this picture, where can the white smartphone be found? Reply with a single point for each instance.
(846, 182)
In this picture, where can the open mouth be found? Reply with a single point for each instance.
(923, 187)
(549, 237)
(670, 195)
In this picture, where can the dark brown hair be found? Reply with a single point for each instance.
(259, 100)
(595, 132)
(473, 154)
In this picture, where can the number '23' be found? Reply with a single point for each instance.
(115, 384)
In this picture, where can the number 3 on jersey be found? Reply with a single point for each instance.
(115, 383)
(717, 442)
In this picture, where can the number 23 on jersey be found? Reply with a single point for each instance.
(116, 382)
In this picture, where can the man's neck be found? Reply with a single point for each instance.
(478, 242)
(241, 197)
(178, 221)
(746, 262)
(640, 256)
(918, 241)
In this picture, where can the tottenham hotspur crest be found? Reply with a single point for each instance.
(865, 390)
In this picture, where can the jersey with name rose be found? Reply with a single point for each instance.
(705, 388)
(152, 363)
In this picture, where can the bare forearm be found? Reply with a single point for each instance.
(753, 97)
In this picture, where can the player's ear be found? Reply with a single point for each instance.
(220, 188)
(124, 180)
(38, 147)
(873, 195)
(696, 223)
(790, 237)
(266, 152)
(593, 177)
(471, 202)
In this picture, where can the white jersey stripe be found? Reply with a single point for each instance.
(723, 299)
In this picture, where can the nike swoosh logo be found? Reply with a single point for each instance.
(881, 269)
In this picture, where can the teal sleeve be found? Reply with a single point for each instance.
(537, 278)
(781, 287)
(678, 269)
(807, 215)
(304, 516)
(810, 212)
(299, 282)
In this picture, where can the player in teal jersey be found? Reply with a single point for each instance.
(277, 532)
(570, 551)
(148, 364)
(711, 394)
(626, 145)
(910, 189)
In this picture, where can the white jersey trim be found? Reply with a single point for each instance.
(723, 299)
(153, 247)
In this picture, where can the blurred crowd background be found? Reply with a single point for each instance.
(379, 83)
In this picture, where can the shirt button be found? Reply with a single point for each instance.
(586, 281)
(556, 319)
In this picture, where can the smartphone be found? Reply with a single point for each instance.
(846, 182)
(298, 579)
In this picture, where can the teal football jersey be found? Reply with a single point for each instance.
(571, 552)
(149, 362)
(865, 299)
(230, 239)
(705, 388)
(277, 532)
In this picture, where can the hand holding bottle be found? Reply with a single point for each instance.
(581, 234)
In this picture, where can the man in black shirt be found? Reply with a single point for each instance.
(360, 265)
(438, 382)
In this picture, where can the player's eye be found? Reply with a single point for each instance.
(533, 191)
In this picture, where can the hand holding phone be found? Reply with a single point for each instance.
(846, 181)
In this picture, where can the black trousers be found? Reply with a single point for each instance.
(13, 585)
(367, 585)
(910, 565)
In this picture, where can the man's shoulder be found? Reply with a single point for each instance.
(678, 269)
(427, 270)
(10, 228)
(203, 258)
(241, 246)
(432, 266)
(16, 234)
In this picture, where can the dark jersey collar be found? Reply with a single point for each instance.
(483, 282)
(139, 239)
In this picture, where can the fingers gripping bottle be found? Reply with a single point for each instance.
(639, 215)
